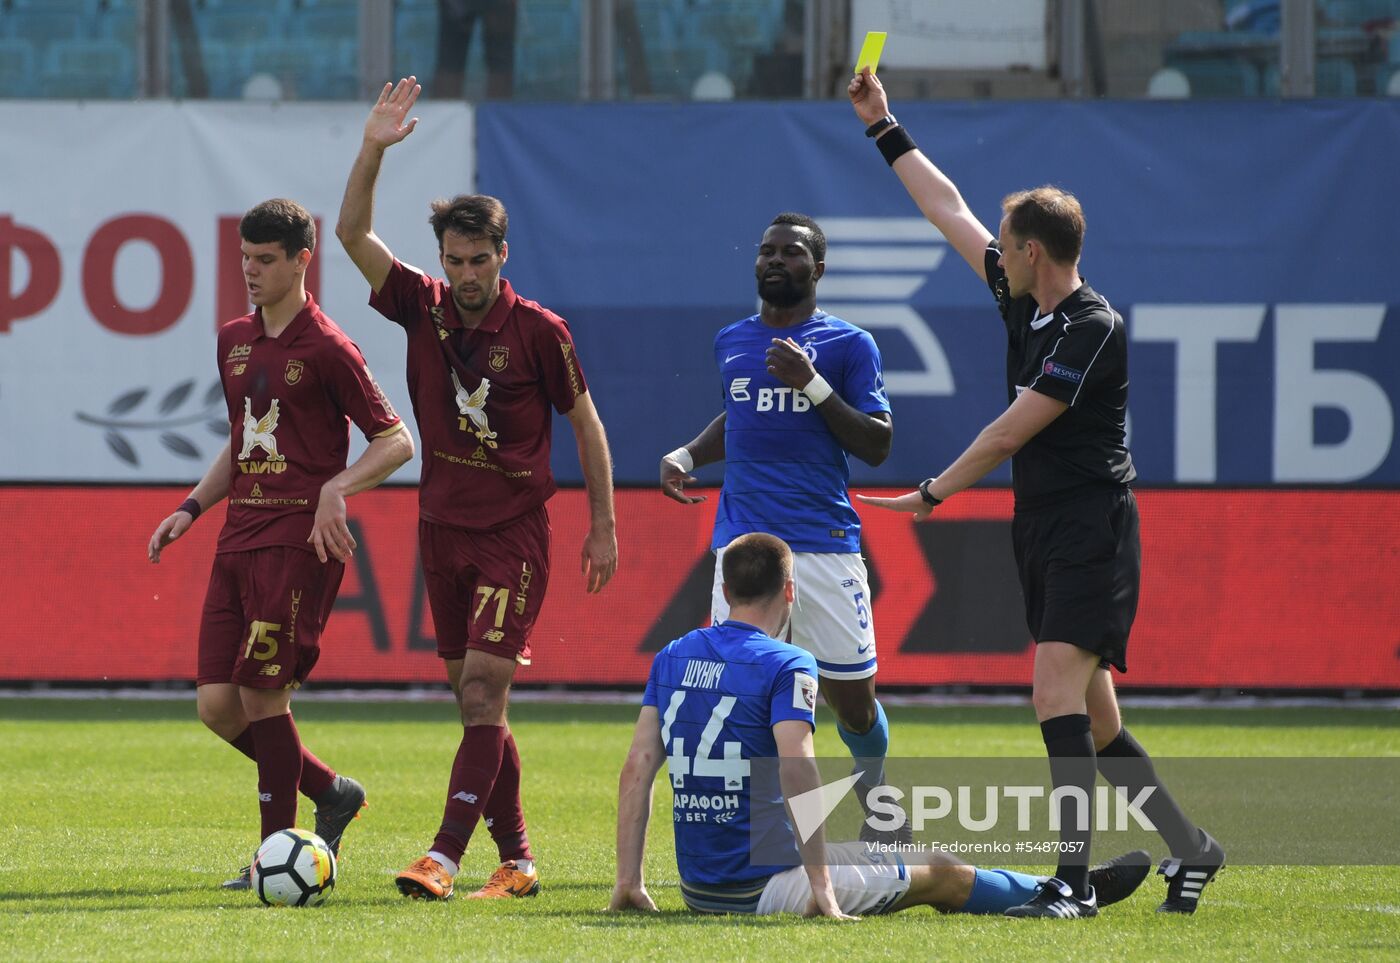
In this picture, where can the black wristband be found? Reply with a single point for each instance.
(927, 495)
(190, 507)
(895, 144)
(874, 129)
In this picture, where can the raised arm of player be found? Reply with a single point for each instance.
(1027, 417)
(798, 773)
(383, 457)
(212, 489)
(600, 545)
(704, 449)
(384, 128)
(868, 437)
(936, 195)
(634, 789)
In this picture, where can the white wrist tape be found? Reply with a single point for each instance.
(817, 390)
(681, 456)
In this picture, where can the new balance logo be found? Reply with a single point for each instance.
(264, 797)
(466, 797)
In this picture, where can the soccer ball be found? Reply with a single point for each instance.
(293, 867)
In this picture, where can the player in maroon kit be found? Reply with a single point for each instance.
(485, 367)
(292, 381)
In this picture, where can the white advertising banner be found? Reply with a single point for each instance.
(119, 259)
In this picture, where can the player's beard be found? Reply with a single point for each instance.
(474, 305)
(780, 292)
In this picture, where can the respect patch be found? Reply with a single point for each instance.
(1056, 370)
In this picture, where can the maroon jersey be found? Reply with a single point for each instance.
(289, 399)
(482, 397)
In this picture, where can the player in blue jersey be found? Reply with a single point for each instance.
(719, 698)
(803, 390)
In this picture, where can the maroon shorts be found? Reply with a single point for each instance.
(485, 588)
(263, 616)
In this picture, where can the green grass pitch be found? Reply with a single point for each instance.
(122, 817)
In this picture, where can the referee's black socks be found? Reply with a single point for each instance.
(1127, 766)
(1071, 750)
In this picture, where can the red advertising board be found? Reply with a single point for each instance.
(1250, 589)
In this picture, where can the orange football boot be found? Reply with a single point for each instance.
(425, 878)
(508, 882)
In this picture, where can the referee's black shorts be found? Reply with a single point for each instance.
(1080, 562)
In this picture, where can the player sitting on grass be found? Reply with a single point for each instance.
(732, 693)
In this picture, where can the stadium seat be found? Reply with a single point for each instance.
(334, 24)
(17, 76)
(1220, 78)
(415, 40)
(245, 24)
(1357, 12)
(1332, 78)
(117, 21)
(44, 26)
(89, 69)
(225, 69)
(287, 60)
(548, 20)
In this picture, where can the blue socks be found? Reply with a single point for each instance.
(997, 890)
(870, 748)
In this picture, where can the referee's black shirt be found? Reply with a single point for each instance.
(1077, 354)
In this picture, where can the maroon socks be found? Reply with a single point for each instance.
(278, 750)
(316, 776)
(473, 778)
(504, 815)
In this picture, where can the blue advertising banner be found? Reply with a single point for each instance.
(1248, 245)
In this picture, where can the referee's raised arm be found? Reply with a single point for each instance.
(936, 195)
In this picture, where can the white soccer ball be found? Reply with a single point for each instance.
(293, 867)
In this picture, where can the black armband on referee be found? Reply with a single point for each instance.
(895, 143)
(190, 507)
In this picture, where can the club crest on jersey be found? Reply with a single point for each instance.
(810, 350)
(293, 373)
(258, 433)
(804, 691)
(498, 357)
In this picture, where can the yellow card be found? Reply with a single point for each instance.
(870, 50)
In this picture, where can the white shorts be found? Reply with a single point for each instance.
(865, 883)
(831, 618)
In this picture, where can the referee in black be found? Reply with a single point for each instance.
(1075, 530)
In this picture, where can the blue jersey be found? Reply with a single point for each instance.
(719, 691)
(785, 473)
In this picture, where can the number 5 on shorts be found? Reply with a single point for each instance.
(862, 613)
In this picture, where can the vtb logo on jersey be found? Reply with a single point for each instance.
(258, 433)
(238, 357)
(770, 399)
(472, 406)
